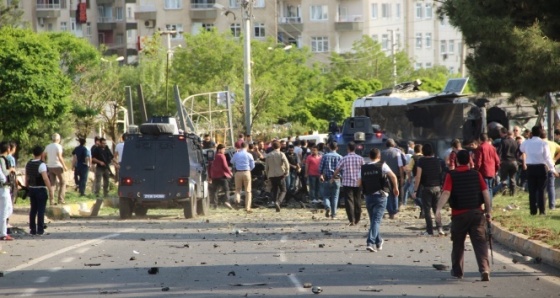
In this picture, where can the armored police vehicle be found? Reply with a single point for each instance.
(162, 167)
(359, 130)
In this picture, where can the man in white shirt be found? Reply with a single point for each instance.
(56, 167)
(118, 155)
(537, 162)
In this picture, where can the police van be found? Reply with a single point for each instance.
(162, 167)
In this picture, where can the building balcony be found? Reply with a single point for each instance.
(145, 12)
(290, 24)
(349, 23)
(131, 25)
(203, 14)
(106, 26)
(48, 10)
(130, 1)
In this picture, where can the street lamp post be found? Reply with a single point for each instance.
(247, 6)
(168, 55)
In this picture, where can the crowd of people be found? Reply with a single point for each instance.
(45, 177)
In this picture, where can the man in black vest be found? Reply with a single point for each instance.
(38, 183)
(375, 187)
(428, 175)
(466, 191)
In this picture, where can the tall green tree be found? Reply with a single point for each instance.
(10, 14)
(514, 45)
(77, 55)
(33, 88)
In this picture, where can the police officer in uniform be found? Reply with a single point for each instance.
(375, 187)
(466, 191)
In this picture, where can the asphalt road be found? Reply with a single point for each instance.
(262, 254)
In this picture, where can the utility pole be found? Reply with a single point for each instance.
(394, 56)
(169, 54)
(247, 6)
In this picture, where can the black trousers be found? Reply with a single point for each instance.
(536, 182)
(278, 189)
(217, 185)
(508, 170)
(472, 223)
(430, 198)
(353, 203)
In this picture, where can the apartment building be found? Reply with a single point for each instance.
(109, 23)
(324, 26)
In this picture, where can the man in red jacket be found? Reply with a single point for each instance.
(487, 162)
(219, 175)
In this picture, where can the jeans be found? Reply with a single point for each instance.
(375, 205)
(38, 198)
(353, 204)
(331, 192)
(82, 172)
(408, 190)
(551, 190)
(489, 184)
(101, 173)
(392, 204)
(6, 210)
(314, 187)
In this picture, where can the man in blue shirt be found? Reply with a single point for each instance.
(243, 163)
(331, 184)
(81, 161)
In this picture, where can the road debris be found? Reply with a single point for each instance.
(132, 258)
(109, 292)
(307, 285)
(316, 290)
(231, 273)
(153, 270)
(440, 267)
(371, 289)
(165, 289)
(249, 284)
(92, 264)
(135, 252)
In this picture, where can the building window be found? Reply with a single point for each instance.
(428, 40)
(375, 37)
(128, 35)
(119, 39)
(88, 29)
(208, 26)
(384, 41)
(119, 13)
(418, 40)
(129, 14)
(398, 11)
(63, 26)
(319, 44)
(173, 4)
(428, 65)
(398, 41)
(418, 10)
(429, 11)
(417, 66)
(233, 4)
(48, 4)
(235, 29)
(386, 10)
(319, 12)
(443, 47)
(374, 10)
(49, 27)
(259, 30)
(175, 27)
(451, 47)
(259, 4)
(73, 25)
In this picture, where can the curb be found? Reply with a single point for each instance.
(526, 246)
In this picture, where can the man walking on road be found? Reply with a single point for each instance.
(350, 166)
(243, 163)
(428, 175)
(538, 162)
(219, 176)
(331, 183)
(312, 173)
(396, 161)
(466, 191)
(375, 187)
(56, 167)
(277, 168)
(486, 161)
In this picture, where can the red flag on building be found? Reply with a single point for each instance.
(81, 14)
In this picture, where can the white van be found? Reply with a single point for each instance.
(314, 138)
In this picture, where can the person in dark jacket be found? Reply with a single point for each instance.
(219, 175)
(466, 191)
(507, 150)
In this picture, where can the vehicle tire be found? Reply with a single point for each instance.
(125, 208)
(203, 206)
(157, 128)
(140, 210)
(189, 209)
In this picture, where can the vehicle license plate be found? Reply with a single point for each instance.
(154, 196)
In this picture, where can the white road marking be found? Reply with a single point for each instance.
(283, 257)
(82, 250)
(67, 260)
(296, 283)
(55, 269)
(61, 251)
(29, 292)
(42, 279)
(284, 239)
